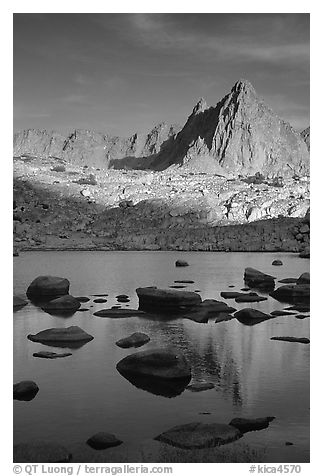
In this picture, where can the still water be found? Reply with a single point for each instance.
(84, 394)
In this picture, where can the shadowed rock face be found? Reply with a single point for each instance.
(199, 435)
(305, 134)
(259, 280)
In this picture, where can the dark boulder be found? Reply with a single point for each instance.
(304, 279)
(102, 441)
(251, 424)
(82, 299)
(48, 287)
(249, 316)
(277, 262)
(25, 390)
(199, 435)
(71, 337)
(64, 304)
(99, 300)
(257, 279)
(51, 355)
(137, 339)
(230, 294)
(40, 452)
(300, 340)
(250, 298)
(181, 263)
(115, 312)
(160, 371)
(166, 299)
(288, 280)
(291, 293)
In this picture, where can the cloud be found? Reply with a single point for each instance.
(161, 32)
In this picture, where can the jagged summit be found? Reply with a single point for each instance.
(240, 135)
(243, 86)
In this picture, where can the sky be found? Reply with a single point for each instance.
(124, 73)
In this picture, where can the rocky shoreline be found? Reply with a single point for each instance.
(140, 210)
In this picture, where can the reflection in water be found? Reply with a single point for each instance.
(253, 377)
(169, 388)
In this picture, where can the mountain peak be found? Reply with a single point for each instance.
(243, 86)
(200, 106)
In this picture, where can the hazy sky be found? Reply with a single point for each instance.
(122, 73)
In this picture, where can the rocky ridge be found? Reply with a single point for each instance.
(240, 135)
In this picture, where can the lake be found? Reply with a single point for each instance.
(83, 394)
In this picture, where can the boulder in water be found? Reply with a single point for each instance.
(291, 293)
(300, 340)
(25, 390)
(115, 312)
(251, 424)
(181, 263)
(199, 435)
(304, 279)
(72, 336)
(51, 355)
(103, 440)
(257, 279)
(166, 299)
(63, 304)
(47, 287)
(137, 339)
(249, 316)
(277, 262)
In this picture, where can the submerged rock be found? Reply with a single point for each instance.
(51, 355)
(300, 340)
(199, 435)
(166, 299)
(251, 424)
(25, 390)
(102, 441)
(281, 313)
(99, 300)
(137, 339)
(46, 287)
(249, 316)
(40, 452)
(116, 312)
(72, 336)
